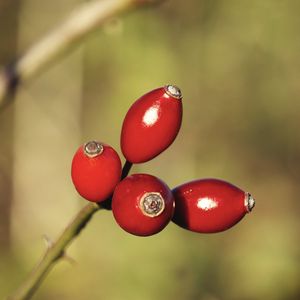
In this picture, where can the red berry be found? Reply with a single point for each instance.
(96, 170)
(210, 205)
(142, 204)
(151, 124)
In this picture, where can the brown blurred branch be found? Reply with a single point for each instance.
(9, 14)
(82, 21)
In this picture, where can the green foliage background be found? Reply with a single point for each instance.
(237, 63)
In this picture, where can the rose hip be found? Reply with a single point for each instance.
(142, 204)
(96, 170)
(151, 124)
(210, 205)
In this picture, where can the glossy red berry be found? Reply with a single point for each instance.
(142, 204)
(151, 124)
(96, 170)
(210, 205)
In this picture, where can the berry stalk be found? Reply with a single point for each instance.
(126, 169)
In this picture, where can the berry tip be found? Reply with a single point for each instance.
(92, 148)
(152, 204)
(173, 91)
(249, 202)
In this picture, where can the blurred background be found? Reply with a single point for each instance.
(237, 63)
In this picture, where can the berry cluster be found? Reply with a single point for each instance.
(143, 204)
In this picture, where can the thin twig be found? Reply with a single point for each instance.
(54, 252)
(86, 18)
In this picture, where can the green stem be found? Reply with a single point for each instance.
(54, 252)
